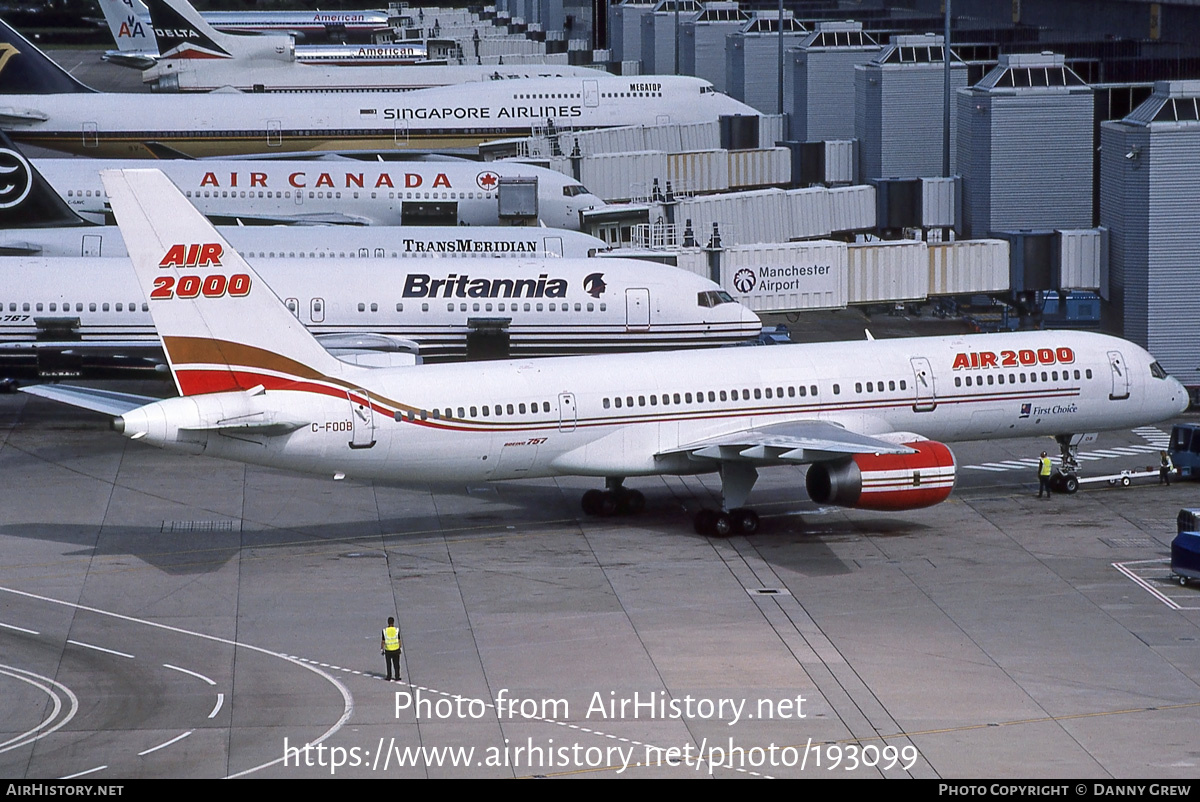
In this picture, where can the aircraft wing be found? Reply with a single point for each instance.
(104, 401)
(801, 441)
(10, 115)
(329, 219)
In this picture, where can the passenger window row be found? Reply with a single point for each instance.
(485, 410)
(1022, 378)
(709, 396)
(66, 307)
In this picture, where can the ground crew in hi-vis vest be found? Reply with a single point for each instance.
(1044, 469)
(389, 646)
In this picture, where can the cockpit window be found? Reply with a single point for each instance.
(711, 298)
(571, 190)
(1156, 371)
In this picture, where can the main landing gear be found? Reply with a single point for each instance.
(737, 478)
(616, 499)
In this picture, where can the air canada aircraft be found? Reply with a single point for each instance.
(43, 105)
(866, 417)
(336, 191)
(35, 220)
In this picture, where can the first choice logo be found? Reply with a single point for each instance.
(744, 280)
(16, 178)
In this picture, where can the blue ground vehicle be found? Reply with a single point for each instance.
(1185, 449)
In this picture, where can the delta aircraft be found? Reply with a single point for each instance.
(197, 58)
(866, 417)
(43, 105)
(133, 32)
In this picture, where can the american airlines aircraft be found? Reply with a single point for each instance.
(866, 417)
(45, 106)
(132, 30)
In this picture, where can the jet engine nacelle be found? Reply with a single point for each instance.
(885, 481)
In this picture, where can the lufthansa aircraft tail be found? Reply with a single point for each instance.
(25, 70)
(26, 199)
(222, 328)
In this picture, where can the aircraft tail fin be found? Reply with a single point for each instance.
(221, 326)
(128, 23)
(26, 199)
(25, 70)
(184, 34)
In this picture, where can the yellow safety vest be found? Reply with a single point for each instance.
(391, 639)
(1045, 468)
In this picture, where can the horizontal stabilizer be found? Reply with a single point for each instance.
(104, 401)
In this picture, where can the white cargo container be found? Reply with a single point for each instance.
(839, 161)
(888, 271)
(765, 167)
(624, 176)
(699, 171)
(968, 266)
(809, 213)
(1081, 258)
(770, 130)
(788, 276)
(852, 208)
(940, 203)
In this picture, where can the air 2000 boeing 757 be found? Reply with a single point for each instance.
(865, 417)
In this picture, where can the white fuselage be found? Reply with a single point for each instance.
(624, 415)
(453, 192)
(460, 116)
(325, 242)
(552, 306)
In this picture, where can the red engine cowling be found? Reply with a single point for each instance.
(885, 481)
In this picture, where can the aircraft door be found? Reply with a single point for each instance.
(637, 309)
(316, 310)
(1120, 376)
(662, 119)
(591, 94)
(362, 419)
(400, 134)
(91, 135)
(92, 244)
(925, 399)
(567, 416)
(274, 134)
(293, 306)
(553, 246)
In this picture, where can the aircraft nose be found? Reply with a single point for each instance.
(750, 320)
(1180, 396)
